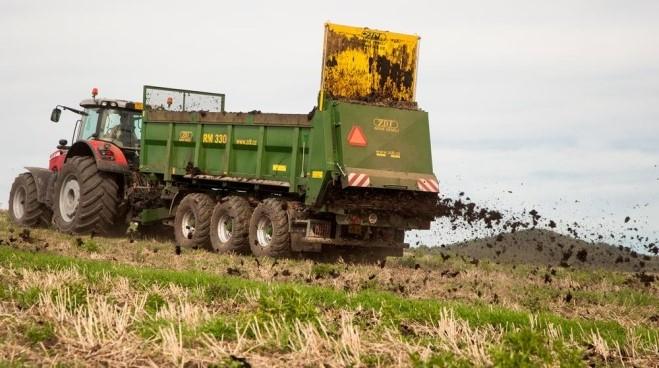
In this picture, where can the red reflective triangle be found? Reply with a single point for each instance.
(356, 136)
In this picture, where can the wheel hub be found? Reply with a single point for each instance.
(18, 205)
(188, 225)
(69, 198)
(264, 232)
(224, 228)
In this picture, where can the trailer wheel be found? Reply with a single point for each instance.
(192, 221)
(86, 200)
(268, 229)
(229, 227)
(24, 209)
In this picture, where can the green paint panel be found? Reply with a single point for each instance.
(395, 139)
(150, 215)
(213, 148)
(392, 146)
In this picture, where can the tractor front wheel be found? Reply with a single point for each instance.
(24, 208)
(86, 200)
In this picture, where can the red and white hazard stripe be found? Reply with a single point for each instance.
(428, 185)
(358, 180)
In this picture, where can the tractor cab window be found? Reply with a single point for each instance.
(122, 127)
(89, 124)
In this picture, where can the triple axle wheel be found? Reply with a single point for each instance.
(230, 225)
(233, 225)
(268, 229)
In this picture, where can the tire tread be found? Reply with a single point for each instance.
(280, 245)
(203, 205)
(99, 198)
(35, 212)
(241, 211)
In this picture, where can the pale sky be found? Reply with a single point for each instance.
(556, 101)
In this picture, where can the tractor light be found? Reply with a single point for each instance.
(94, 92)
(170, 101)
(106, 153)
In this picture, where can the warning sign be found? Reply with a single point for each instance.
(356, 137)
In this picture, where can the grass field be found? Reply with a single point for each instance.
(77, 301)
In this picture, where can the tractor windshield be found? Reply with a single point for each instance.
(121, 127)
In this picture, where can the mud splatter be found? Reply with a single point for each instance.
(478, 222)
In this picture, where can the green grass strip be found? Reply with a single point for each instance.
(291, 298)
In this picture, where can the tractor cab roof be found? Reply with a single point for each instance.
(111, 103)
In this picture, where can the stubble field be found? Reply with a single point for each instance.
(88, 301)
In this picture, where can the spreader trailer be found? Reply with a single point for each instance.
(352, 175)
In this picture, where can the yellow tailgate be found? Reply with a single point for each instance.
(364, 64)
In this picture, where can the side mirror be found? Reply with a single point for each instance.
(63, 142)
(54, 116)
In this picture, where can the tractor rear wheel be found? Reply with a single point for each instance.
(230, 225)
(268, 229)
(192, 221)
(86, 200)
(24, 208)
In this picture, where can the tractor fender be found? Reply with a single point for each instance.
(114, 163)
(45, 180)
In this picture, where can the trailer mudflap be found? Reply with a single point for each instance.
(371, 178)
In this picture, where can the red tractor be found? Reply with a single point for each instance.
(82, 191)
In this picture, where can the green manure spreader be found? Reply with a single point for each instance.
(351, 176)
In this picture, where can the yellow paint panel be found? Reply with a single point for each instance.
(185, 136)
(279, 168)
(392, 154)
(246, 142)
(369, 65)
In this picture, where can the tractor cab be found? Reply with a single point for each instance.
(116, 121)
(111, 124)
